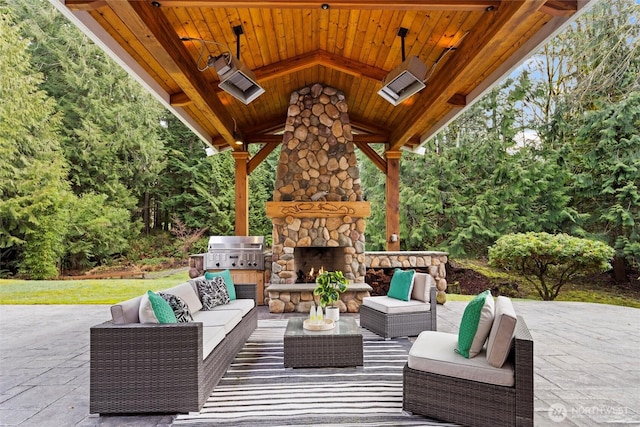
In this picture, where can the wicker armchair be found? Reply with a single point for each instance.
(475, 403)
(391, 325)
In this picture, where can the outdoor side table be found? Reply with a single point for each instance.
(337, 347)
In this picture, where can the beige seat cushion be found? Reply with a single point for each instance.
(129, 311)
(227, 318)
(502, 332)
(435, 352)
(211, 337)
(188, 294)
(389, 305)
(244, 305)
(126, 311)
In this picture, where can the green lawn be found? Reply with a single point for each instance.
(102, 291)
(111, 291)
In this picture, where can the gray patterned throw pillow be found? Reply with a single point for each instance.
(179, 307)
(212, 292)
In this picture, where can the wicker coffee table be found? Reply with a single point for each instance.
(337, 347)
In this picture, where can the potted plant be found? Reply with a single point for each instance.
(329, 286)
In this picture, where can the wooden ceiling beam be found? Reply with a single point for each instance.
(563, 8)
(459, 100)
(277, 139)
(319, 57)
(85, 5)
(259, 157)
(359, 124)
(458, 5)
(159, 38)
(263, 139)
(267, 126)
(373, 155)
(179, 99)
(492, 29)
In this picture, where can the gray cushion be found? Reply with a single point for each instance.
(188, 293)
(244, 305)
(211, 337)
(225, 318)
(434, 352)
(502, 332)
(422, 283)
(126, 311)
(387, 305)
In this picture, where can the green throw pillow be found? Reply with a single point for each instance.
(401, 284)
(228, 280)
(161, 308)
(469, 323)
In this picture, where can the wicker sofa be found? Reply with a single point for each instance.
(166, 368)
(441, 384)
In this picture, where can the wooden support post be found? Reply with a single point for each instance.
(242, 192)
(393, 200)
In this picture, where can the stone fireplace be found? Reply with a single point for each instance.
(317, 210)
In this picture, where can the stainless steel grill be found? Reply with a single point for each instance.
(235, 253)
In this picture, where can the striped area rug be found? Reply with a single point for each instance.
(258, 391)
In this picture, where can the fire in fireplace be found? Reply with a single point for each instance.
(310, 261)
(310, 276)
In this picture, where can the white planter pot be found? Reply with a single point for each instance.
(333, 313)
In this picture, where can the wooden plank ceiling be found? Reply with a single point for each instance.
(350, 45)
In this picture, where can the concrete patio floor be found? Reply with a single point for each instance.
(587, 364)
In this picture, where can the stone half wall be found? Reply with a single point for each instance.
(434, 262)
(299, 297)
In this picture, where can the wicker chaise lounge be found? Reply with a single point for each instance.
(475, 402)
(159, 368)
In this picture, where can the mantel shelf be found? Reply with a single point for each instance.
(318, 209)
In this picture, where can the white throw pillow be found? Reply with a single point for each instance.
(145, 312)
(422, 283)
(484, 327)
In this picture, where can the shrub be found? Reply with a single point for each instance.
(550, 261)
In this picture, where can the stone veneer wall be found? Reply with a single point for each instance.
(300, 301)
(317, 163)
(434, 261)
(299, 298)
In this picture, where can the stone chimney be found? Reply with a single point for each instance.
(317, 209)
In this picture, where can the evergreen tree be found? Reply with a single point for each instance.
(110, 123)
(607, 177)
(197, 189)
(33, 189)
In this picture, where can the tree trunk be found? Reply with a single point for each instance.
(145, 213)
(619, 270)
